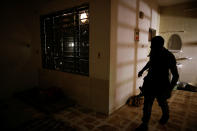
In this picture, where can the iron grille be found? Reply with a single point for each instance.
(65, 40)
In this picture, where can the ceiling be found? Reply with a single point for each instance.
(173, 2)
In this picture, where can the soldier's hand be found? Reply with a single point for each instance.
(140, 73)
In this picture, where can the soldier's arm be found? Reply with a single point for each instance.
(174, 71)
(145, 68)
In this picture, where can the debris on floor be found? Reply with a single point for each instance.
(186, 87)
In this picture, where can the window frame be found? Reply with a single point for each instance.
(53, 44)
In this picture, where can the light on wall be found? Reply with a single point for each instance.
(83, 17)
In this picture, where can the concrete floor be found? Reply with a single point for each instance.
(183, 117)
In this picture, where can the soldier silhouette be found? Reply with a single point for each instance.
(157, 83)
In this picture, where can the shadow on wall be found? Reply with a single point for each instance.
(125, 51)
(130, 55)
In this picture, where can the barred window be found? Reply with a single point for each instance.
(65, 40)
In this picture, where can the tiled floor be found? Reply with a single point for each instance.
(183, 117)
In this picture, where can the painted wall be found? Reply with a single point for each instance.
(113, 75)
(17, 53)
(127, 56)
(182, 20)
(92, 91)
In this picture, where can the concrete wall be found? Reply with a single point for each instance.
(182, 20)
(18, 54)
(92, 91)
(113, 75)
(128, 56)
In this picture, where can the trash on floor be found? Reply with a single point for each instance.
(186, 86)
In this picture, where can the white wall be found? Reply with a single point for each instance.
(127, 56)
(182, 20)
(90, 91)
(113, 75)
